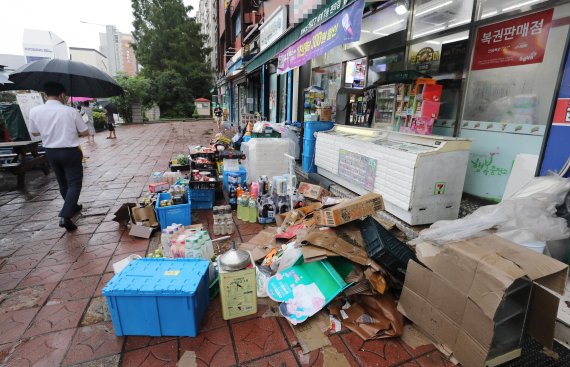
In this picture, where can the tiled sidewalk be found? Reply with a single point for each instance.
(51, 309)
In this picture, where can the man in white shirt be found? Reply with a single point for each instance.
(60, 127)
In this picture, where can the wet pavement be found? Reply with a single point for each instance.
(51, 309)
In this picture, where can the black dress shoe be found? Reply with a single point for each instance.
(67, 223)
(78, 208)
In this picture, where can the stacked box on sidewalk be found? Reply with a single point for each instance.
(477, 297)
(159, 297)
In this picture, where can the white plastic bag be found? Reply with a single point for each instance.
(529, 215)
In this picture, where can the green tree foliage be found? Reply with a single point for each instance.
(137, 90)
(99, 121)
(170, 48)
(7, 97)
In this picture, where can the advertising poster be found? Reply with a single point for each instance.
(519, 41)
(343, 28)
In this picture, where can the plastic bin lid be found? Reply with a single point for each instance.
(158, 277)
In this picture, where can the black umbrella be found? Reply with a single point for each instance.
(79, 79)
(5, 84)
(109, 106)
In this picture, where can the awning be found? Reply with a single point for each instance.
(291, 36)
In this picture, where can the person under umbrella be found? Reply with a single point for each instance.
(60, 127)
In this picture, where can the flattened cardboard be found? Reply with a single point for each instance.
(188, 360)
(346, 242)
(260, 244)
(350, 210)
(469, 352)
(313, 253)
(311, 334)
(372, 317)
(141, 231)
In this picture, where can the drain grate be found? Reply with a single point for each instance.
(533, 356)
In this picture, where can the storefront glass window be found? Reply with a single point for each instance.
(381, 64)
(242, 101)
(355, 73)
(380, 24)
(443, 59)
(520, 94)
(491, 8)
(273, 98)
(329, 79)
(235, 110)
(431, 16)
(510, 92)
(282, 98)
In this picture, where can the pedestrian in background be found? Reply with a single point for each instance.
(60, 127)
(111, 125)
(218, 115)
(87, 115)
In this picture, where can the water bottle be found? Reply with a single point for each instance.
(252, 209)
(240, 206)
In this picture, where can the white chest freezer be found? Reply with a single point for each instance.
(420, 177)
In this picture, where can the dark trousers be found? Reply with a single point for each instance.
(68, 169)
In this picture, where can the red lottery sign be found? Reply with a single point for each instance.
(518, 41)
(562, 112)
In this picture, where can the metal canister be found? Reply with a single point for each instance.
(238, 290)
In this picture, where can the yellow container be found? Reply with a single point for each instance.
(238, 293)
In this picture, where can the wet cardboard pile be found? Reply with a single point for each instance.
(477, 297)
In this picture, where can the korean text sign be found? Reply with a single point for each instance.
(343, 28)
(518, 41)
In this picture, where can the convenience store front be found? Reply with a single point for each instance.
(499, 64)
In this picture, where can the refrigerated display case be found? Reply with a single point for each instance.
(420, 177)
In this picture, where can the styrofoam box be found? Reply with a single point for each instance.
(159, 297)
(265, 157)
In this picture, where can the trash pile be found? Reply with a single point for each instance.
(325, 263)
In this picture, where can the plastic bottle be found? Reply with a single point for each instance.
(239, 190)
(233, 197)
(254, 189)
(229, 226)
(216, 227)
(252, 209)
(240, 206)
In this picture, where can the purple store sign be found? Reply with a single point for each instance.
(343, 28)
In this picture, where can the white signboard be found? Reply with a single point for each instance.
(27, 101)
(273, 27)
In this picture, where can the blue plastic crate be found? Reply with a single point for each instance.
(159, 297)
(240, 175)
(311, 127)
(167, 215)
(202, 199)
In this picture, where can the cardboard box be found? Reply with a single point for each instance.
(478, 296)
(158, 187)
(350, 210)
(143, 220)
(313, 192)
